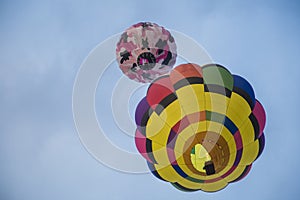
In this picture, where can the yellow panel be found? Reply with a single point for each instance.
(199, 126)
(180, 159)
(238, 109)
(191, 108)
(190, 184)
(232, 146)
(236, 117)
(216, 102)
(250, 153)
(237, 102)
(168, 173)
(236, 173)
(159, 136)
(160, 153)
(154, 125)
(187, 170)
(191, 98)
(247, 132)
(185, 135)
(215, 186)
(172, 113)
(214, 126)
(198, 89)
(226, 134)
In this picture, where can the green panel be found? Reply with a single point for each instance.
(193, 150)
(215, 117)
(181, 188)
(194, 179)
(218, 75)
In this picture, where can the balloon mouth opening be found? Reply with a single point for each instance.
(208, 153)
(199, 156)
(146, 61)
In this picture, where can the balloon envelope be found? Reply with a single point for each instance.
(200, 128)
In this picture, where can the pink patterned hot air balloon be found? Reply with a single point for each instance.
(146, 51)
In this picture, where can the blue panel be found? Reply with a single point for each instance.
(238, 157)
(244, 85)
(179, 171)
(230, 125)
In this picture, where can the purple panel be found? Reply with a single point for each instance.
(238, 157)
(172, 139)
(140, 111)
(172, 136)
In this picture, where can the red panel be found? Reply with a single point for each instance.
(238, 140)
(140, 142)
(197, 117)
(260, 115)
(158, 90)
(180, 125)
(184, 71)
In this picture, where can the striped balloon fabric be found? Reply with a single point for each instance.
(200, 128)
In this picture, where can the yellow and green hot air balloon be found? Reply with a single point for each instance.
(200, 128)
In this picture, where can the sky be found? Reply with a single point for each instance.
(43, 45)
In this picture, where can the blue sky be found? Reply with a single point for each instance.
(43, 44)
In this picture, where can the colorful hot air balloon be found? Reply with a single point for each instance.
(200, 128)
(146, 51)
